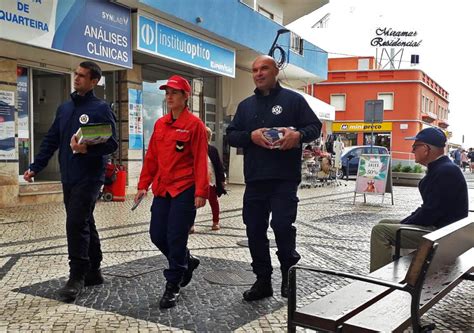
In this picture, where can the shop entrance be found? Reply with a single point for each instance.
(49, 91)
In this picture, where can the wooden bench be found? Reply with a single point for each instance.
(396, 295)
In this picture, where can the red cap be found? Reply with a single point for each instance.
(177, 82)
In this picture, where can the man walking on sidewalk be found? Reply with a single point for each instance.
(272, 174)
(82, 169)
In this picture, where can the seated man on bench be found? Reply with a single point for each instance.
(444, 194)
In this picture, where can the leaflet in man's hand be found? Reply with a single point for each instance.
(92, 134)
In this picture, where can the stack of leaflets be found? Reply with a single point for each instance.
(92, 134)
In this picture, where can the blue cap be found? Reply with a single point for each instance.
(431, 135)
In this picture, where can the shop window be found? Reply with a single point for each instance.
(387, 99)
(379, 139)
(23, 103)
(154, 107)
(339, 102)
(349, 139)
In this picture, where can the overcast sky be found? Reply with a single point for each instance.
(444, 27)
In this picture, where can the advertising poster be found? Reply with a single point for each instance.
(7, 125)
(99, 29)
(135, 119)
(372, 174)
(22, 99)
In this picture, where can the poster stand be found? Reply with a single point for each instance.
(374, 176)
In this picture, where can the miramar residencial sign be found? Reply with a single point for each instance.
(94, 29)
(388, 37)
(164, 41)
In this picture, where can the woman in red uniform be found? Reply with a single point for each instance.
(175, 166)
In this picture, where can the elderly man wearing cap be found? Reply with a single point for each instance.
(444, 194)
(175, 166)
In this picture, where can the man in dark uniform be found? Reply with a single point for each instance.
(272, 175)
(82, 175)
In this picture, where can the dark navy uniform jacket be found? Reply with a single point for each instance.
(77, 167)
(444, 193)
(281, 108)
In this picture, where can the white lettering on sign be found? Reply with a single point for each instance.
(23, 20)
(108, 37)
(182, 45)
(373, 167)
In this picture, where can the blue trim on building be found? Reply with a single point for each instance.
(236, 22)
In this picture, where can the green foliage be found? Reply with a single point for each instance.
(407, 168)
(417, 169)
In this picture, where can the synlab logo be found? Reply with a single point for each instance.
(147, 34)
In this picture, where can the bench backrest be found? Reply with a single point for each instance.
(452, 241)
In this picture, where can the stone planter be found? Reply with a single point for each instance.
(407, 178)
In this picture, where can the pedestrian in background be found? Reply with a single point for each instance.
(464, 160)
(470, 155)
(82, 170)
(444, 194)
(457, 157)
(272, 175)
(216, 180)
(175, 165)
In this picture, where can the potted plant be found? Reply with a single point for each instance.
(407, 175)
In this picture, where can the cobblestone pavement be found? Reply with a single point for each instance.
(332, 233)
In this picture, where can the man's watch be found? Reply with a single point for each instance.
(301, 136)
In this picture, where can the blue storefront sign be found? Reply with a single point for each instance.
(94, 29)
(161, 40)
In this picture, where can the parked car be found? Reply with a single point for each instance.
(351, 155)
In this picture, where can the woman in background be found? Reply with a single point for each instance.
(216, 180)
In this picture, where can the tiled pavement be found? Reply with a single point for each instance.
(332, 232)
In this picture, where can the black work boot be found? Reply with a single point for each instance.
(170, 297)
(93, 277)
(261, 288)
(71, 289)
(193, 263)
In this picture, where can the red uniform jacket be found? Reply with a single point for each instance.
(177, 157)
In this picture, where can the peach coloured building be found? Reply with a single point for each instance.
(412, 101)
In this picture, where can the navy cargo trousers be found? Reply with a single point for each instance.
(278, 197)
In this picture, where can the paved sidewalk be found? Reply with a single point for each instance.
(332, 233)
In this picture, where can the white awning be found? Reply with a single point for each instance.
(323, 110)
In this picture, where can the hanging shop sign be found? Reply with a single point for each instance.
(161, 40)
(135, 119)
(362, 127)
(94, 29)
(7, 125)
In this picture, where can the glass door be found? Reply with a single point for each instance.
(50, 90)
(154, 107)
